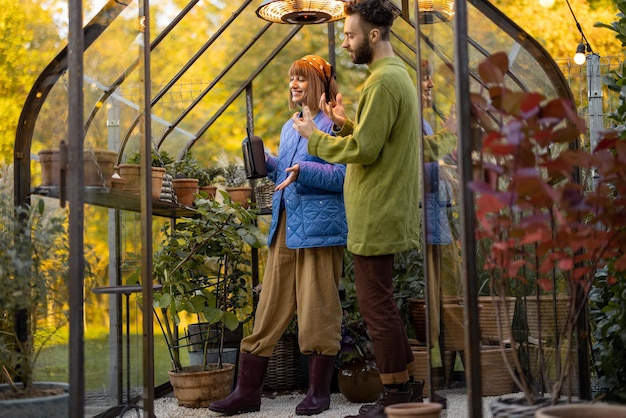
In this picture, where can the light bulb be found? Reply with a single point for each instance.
(580, 57)
(546, 3)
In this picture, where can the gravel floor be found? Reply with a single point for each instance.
(284, 406)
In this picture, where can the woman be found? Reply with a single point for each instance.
(306, 242)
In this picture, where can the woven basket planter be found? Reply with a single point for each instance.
(494, 309)
(420, 356)
(571, 383)
(284, 371)
(553, 316)
(263, 194)
(496, 379)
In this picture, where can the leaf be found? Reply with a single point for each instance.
(491, 71)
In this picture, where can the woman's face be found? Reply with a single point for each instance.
(298, 86)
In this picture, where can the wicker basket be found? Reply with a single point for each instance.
(284, 371)
(496, 309)
(571, 383)
(263, 193)
(496, 379)
(547, 309)
(420, 356)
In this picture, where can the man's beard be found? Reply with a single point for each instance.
(363, 54)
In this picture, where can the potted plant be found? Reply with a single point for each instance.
(131, 171)
(34, 253)
(186, 174)
(202, 267)
(234, 180)
(208, 178)
(539, 220)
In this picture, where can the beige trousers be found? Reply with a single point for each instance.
(302, 281)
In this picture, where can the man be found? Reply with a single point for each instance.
(381, 186)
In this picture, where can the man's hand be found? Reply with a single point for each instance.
(304, 124)
(334, 110)
(293, 171)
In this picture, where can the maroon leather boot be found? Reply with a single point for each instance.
(246, 397)
(317, 399)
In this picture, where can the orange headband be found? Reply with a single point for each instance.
(321, 66)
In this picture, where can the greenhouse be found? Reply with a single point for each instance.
(150, 99)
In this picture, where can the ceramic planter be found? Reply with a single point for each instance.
(56, 406)
(360, 381)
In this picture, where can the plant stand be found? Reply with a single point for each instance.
(121, 409)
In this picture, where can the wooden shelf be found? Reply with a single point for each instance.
(117, 199)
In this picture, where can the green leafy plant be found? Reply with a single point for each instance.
(607, 301)
(157, 159)
(538, 218)
(210, 175)
(34, 255)
(203, 267)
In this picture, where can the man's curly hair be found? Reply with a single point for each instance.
(378, 13)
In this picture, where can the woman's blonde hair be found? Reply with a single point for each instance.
(317, 85)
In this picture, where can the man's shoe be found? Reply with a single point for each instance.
(377, 410)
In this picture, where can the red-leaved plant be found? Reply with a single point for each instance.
(536, 218)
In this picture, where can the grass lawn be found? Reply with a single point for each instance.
(53, 363)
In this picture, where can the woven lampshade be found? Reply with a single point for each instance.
(432, 11)
(301, 12)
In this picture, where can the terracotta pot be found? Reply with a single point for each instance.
(360, 381)
(582, 410)
(98, 167)
(118, 183)
(414, 409)
(185, 190)
(240, 194)
(209, 190)
(197, 388)
(132, 173)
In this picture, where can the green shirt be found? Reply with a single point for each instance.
(381, 150)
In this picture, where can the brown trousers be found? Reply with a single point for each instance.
(374, 289)
(303, 281)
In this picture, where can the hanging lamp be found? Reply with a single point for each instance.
(433, 11)
(301, 12)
